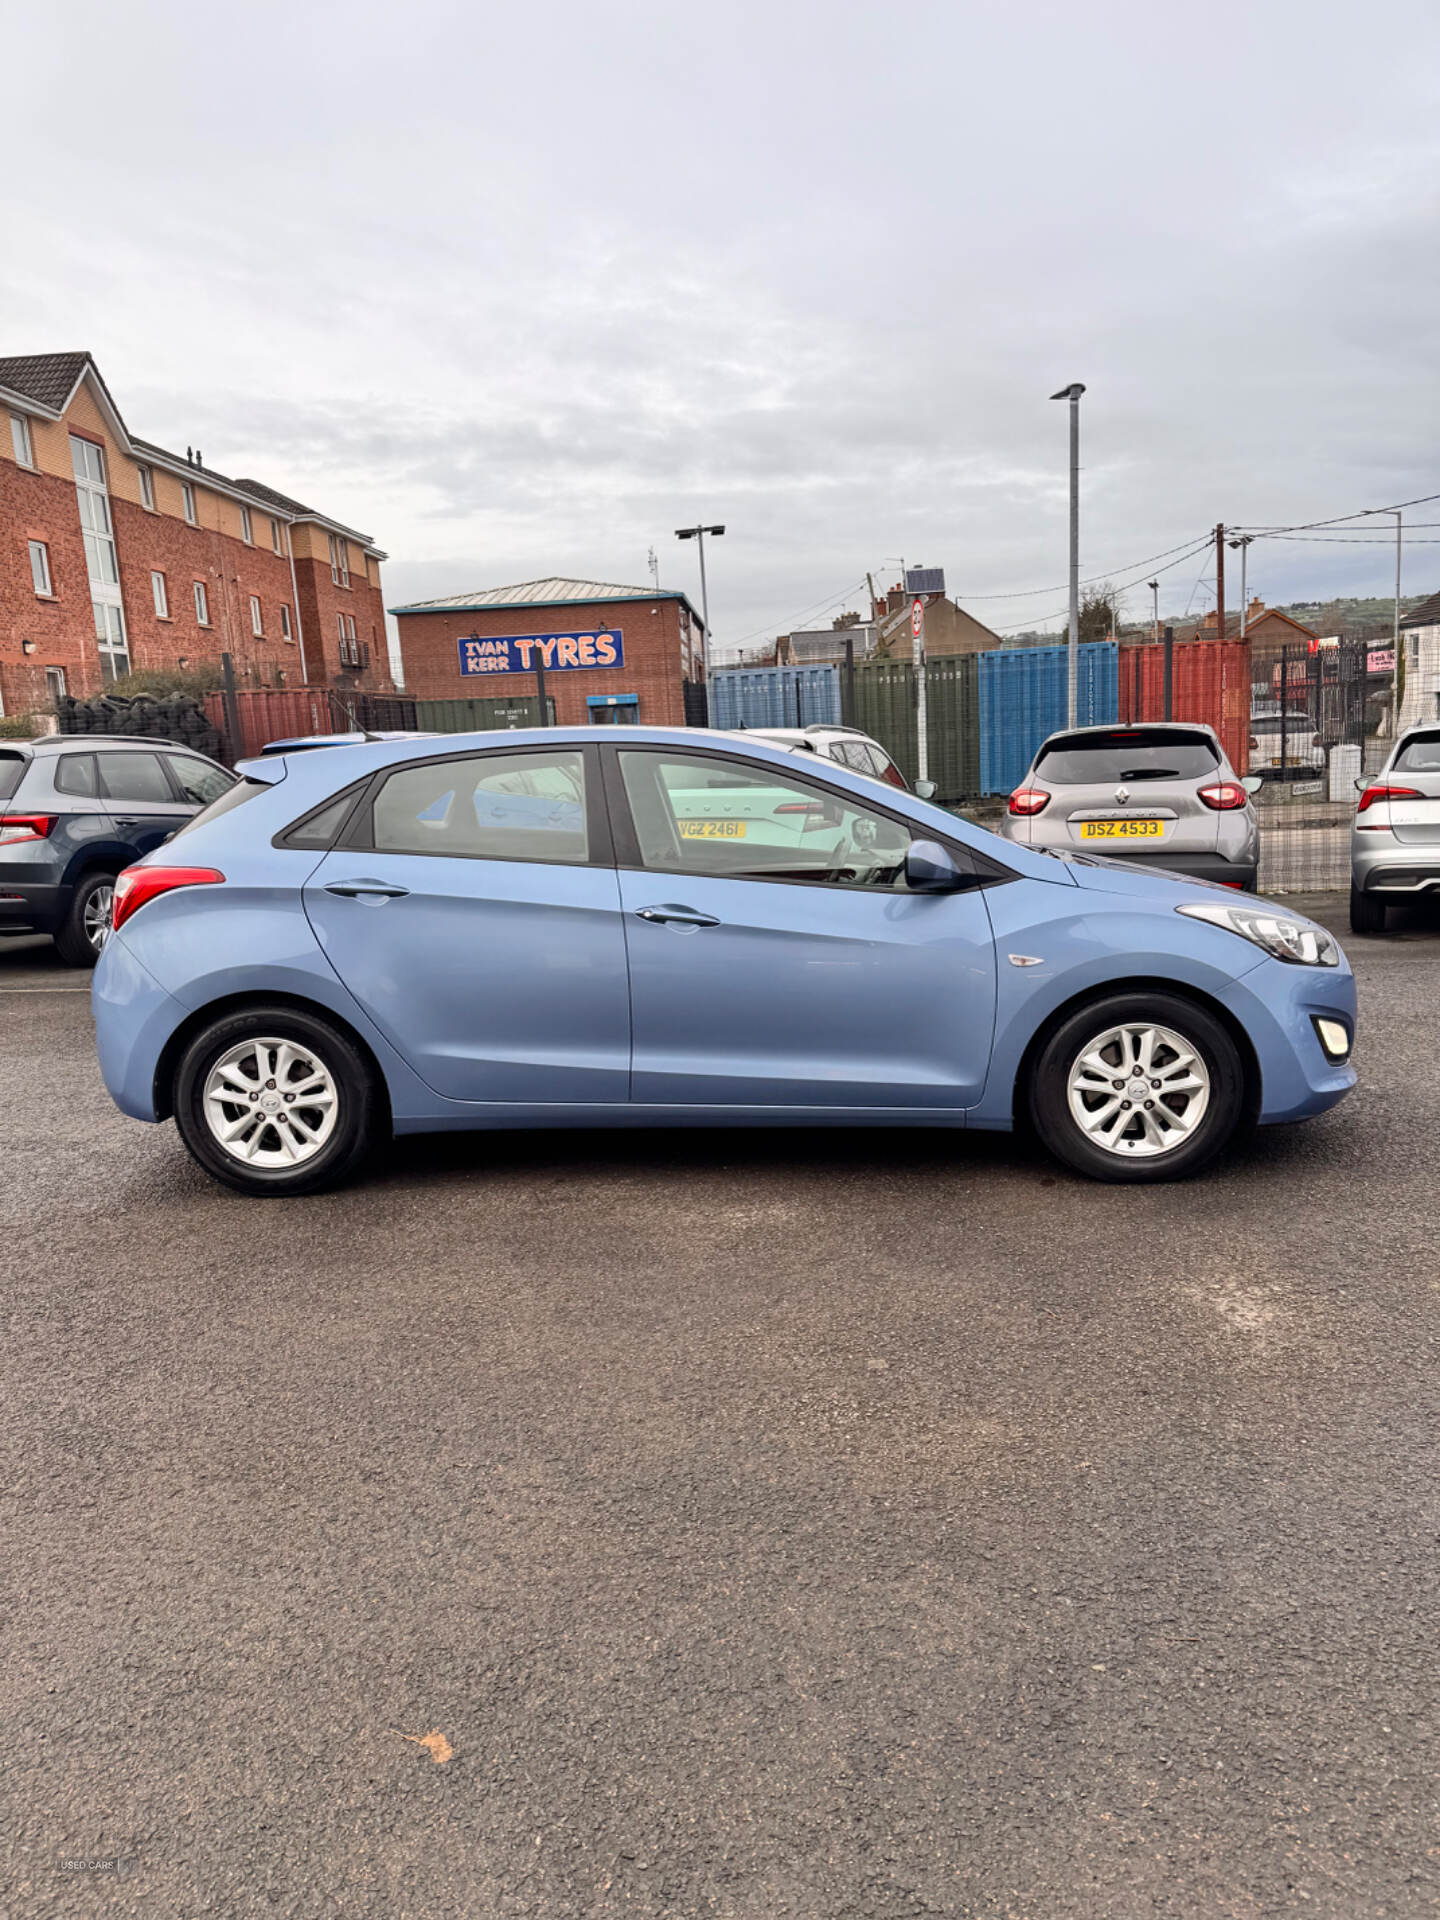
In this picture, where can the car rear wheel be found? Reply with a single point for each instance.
(1138, 1087)
(275, 1101)
(87, 925)
(1367, 914)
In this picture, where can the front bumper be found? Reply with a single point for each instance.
(1278, 1004)
(27, 908)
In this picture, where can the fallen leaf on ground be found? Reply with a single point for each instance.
(434, 1743)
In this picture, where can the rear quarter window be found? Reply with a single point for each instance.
(12, 772)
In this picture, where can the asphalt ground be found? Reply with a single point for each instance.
(767, 1525)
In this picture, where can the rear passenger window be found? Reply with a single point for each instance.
(75, 773)
(513, 806)
(137, 777)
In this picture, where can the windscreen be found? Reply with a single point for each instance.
(12, 766)
(1421, 754)
(1130, 753)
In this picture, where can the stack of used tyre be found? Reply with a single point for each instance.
(167, 716)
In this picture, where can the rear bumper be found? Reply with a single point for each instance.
(134, 1017)
(1397, 869)
(1191, 866)
(26, 908)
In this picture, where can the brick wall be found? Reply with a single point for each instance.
(322, 601)
(430, 649)
(38, 506)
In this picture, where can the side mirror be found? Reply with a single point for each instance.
(931, 868)
(1359, 786)
(1252, 783)
(925, 789)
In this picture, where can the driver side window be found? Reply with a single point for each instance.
(695, 814)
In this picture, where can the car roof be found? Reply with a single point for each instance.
(86, 742)
(1132, 726)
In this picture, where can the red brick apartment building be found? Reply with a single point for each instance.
(117, 555)
(612, 655)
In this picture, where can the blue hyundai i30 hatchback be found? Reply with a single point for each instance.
(662, 927)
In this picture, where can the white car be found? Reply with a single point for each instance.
(1294, 732)
(847, 746)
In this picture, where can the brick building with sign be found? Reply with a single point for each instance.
(117, 555)
(611, 655)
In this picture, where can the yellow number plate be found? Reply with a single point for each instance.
(712, 829)
(1122, 829)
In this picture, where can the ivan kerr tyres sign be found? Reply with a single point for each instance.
(524, 652)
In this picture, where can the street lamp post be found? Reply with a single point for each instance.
(1154, 586)
(1072, 393)
(699, 533)
(1243, 543)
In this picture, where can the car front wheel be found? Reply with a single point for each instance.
(1138, 1087)
(275, 1101)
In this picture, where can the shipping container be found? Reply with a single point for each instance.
(271, 713)
(884, 707)
(1024, 696)
(481, 716)
(775, 697)
(1210, 682)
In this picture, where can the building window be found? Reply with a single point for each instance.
(162, 597)
(285, 633)
(275, 539)
(40, 569)
(55, 682)
(147, 488)
(202, 604)
(247, 527)
(187, 495)
(20, 440)
(110, 638)
(257, 618)
(339, 561)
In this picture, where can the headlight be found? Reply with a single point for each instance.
(1283, 939)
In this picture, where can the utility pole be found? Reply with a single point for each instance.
(1072, 393)
(1220, 582)
(1154, 586)
(1243, 544)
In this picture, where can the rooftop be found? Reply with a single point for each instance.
(554, 592)
(1427, 614)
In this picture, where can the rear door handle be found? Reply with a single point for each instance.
(352, 889)
(680, 916)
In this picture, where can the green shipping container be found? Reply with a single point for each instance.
(480, 716)
(884, 707)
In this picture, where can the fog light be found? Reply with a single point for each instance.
(1333, 1038)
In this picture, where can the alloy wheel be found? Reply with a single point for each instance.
(1138, 1090)
(270, 1103)
(97, 915)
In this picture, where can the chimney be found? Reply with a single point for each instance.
(1256, 608)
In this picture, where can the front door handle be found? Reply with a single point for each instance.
(352, 889)
(679, 916)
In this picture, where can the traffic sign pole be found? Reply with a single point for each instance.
(917, 652)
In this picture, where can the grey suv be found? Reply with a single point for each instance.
(74, 810)
(1162, 796)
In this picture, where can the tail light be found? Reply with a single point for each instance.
(801, 806)
(137, 885)
(15, 827)
(1028, 800)
(1372, 795)
(1224, 796)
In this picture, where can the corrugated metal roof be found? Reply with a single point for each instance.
(554, 592)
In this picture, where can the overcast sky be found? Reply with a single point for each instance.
(518, 290)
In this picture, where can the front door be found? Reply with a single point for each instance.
(475, 915)
(777, 957)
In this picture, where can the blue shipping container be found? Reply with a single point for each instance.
(775, 697)
(1024, 693)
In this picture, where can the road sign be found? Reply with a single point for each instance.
(917, 618)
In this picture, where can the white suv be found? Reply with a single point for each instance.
(847, 747)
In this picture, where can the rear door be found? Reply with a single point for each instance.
(199, 781)
(144, 808)
(474, 912)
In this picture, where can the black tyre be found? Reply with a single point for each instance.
(1367, 914)
(86, 926)
(276, 1101)
(1138, 1087)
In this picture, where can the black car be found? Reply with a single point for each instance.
(77, 808)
